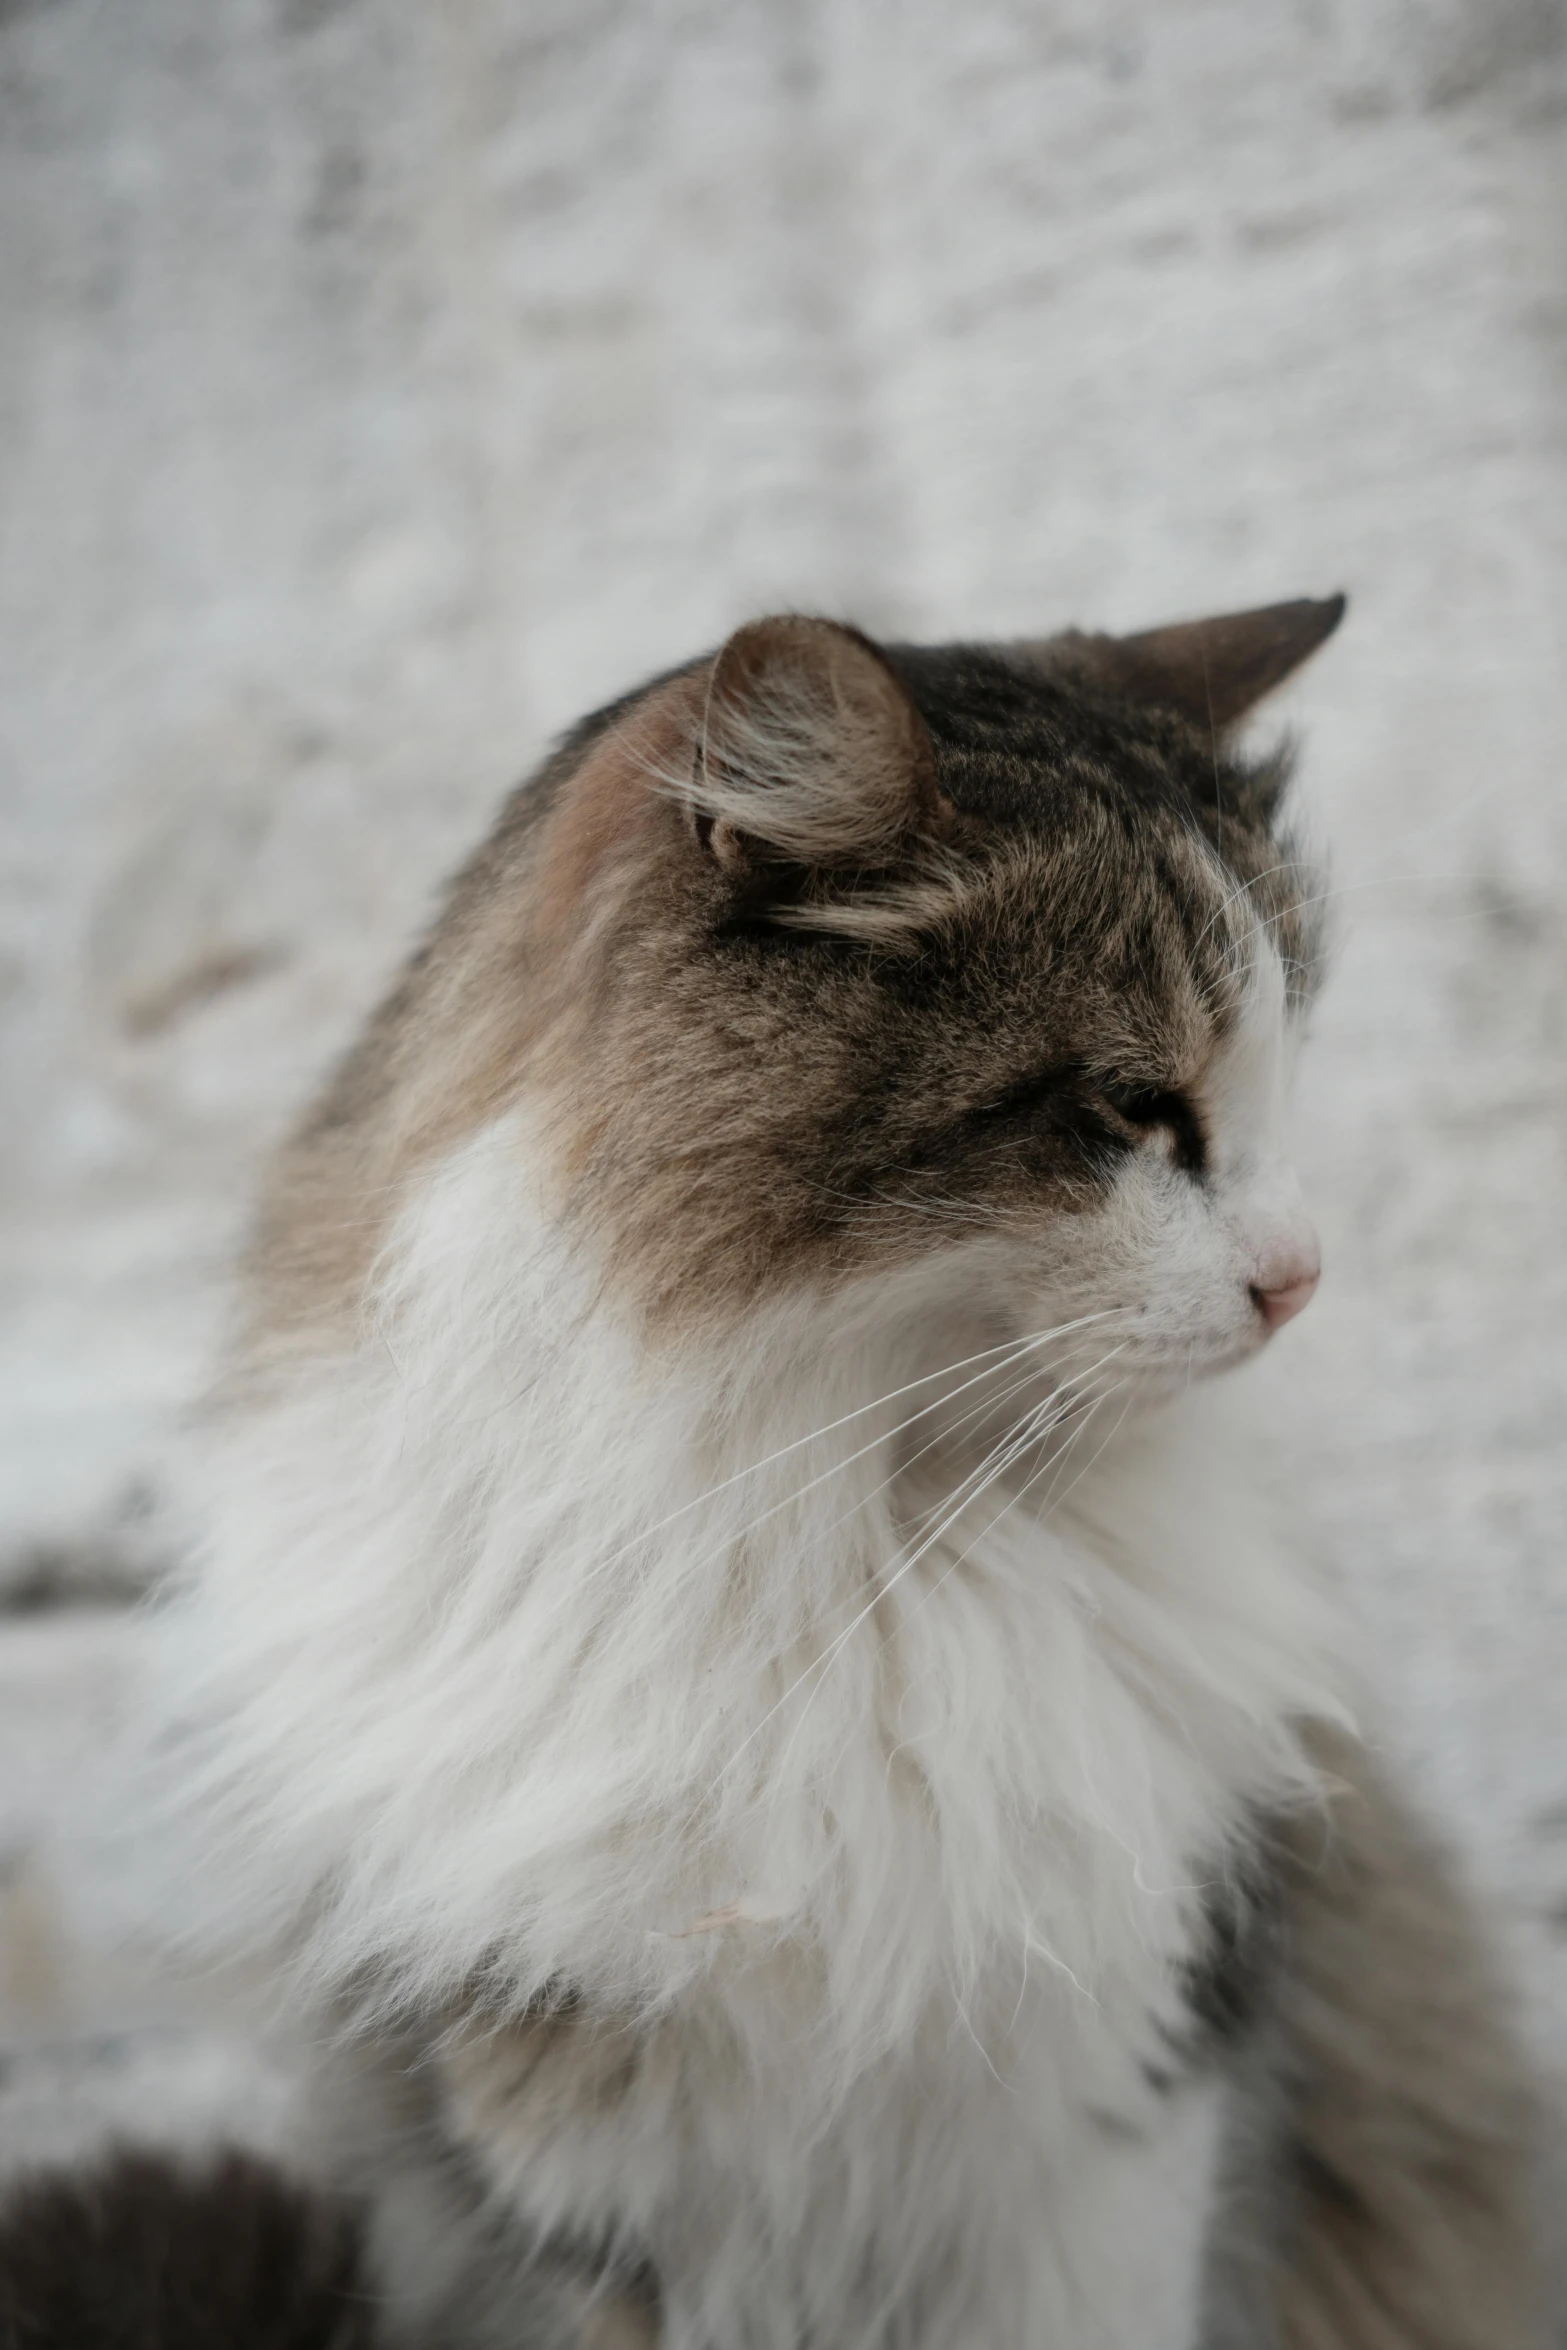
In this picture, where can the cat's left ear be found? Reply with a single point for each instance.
(1212, 671)
(810, 753)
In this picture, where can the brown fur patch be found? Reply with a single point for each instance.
(558, 2065)
(1378, 2192)
(503, 971)
(1410, 2127)
(510, 2089)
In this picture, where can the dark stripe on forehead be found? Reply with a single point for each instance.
(1019, 746)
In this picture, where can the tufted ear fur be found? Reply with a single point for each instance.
(811, 753)
(1211, 671)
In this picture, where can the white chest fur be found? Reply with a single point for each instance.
(1061, 2197)
(1038, 2173)
(512, 1654)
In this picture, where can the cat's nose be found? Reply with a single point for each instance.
(1278, 1306)
(1286, 1279)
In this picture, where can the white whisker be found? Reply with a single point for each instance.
(979, 1480)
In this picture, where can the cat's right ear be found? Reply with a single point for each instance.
(810, 754)
(1215, 671)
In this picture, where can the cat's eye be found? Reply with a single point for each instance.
(1157, 1109)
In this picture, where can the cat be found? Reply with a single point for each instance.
(736, 1655)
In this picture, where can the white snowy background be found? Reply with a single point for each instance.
(382, 382)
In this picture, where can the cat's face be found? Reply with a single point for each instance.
(945, 977)
(1200, 1245)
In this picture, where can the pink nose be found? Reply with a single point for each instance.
(1284, 1287)
(1278, 1306)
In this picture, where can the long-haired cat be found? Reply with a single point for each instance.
(735, 1642)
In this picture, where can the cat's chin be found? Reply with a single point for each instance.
(1160, 1384)
(1235, 1357)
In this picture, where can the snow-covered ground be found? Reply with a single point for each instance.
(381, 384)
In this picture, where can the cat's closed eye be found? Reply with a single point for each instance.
(1155, 1110)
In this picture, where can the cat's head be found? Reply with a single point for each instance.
(906, 973)
(885, 979)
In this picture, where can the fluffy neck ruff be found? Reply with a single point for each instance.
(521, 1661)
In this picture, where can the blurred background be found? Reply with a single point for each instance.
(383, 382)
